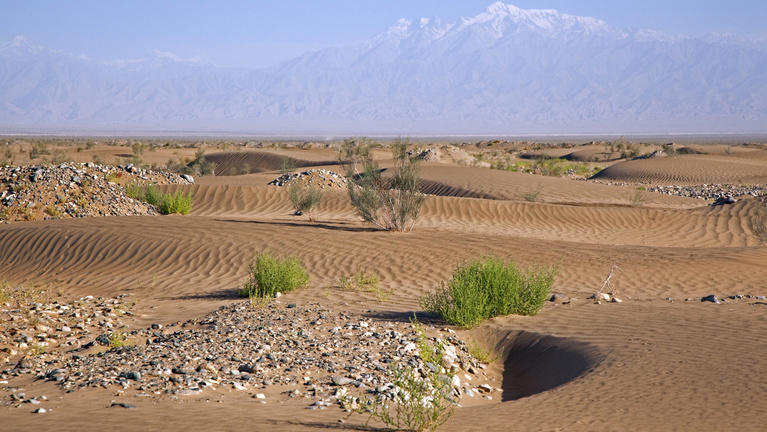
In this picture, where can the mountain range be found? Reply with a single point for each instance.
(504, 71)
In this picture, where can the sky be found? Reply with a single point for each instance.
(261, 33)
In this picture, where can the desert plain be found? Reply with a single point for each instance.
(630, 340)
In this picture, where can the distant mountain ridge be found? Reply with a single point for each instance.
(506, 70)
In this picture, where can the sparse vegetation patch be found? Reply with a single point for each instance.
(490, 287)
(176, 203)
(304, 197)
(392, 203)
(269, 275)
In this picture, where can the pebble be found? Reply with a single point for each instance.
(342, 381)
(710, 298)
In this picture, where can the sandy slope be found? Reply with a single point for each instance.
(741, 167)
(645, 364)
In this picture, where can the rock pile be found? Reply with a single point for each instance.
(701, 191)
(426, 155)
(322, 354)
(320, 178)
(74, 190)
(715, 192)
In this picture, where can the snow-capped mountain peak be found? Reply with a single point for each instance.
(21, 44)
(502, 16)
(504, 71)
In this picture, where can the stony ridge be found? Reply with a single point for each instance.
(320, 178)
(75, 190)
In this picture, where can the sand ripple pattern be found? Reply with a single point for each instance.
(691, 169)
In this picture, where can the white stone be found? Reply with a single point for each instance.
(456, 381)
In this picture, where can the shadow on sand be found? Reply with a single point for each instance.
(337, 226)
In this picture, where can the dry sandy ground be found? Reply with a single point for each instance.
(653, 362)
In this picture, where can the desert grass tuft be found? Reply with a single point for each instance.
(176, 203)
(364, 282)
(481, 353)
(487, 288)
(269, 275)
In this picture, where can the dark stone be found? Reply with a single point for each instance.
(102, 339)
(291, 305)
(131, 375)
(245, 368)
(122, 405)
(710, 298)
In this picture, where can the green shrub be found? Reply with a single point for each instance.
(177, 202)
(304, 197)
(392, 204)
(152, 195)
(269, 275)
(135, 190)
(490, 287)
(118, 339)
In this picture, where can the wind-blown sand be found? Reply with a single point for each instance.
(652, 362)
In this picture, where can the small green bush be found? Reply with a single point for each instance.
(177, 202)
(490, 287)
(135, 190)
(269, 275)
(304, 197)
(118, 339)
(152, 195)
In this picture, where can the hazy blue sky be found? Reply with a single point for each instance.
(256, 33)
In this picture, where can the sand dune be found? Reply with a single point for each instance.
(649, 363)
(748, 168)
(591, 153)
(245, 162)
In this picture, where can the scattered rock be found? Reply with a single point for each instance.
(320, 178)
(337, 351)
(710, 298)
(132, 375)
(74, 190)
(722, 200)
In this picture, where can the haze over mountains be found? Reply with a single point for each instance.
(504, 71)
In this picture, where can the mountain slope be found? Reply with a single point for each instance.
(506, 70)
